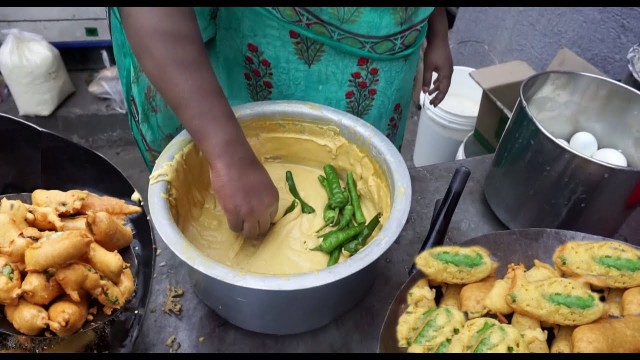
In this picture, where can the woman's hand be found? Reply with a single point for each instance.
(245, 191)
(437, 58)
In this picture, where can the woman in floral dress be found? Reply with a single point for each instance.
(187, 67)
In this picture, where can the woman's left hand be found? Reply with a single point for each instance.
(437, 58)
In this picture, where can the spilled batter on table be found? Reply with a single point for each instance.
(301, 147)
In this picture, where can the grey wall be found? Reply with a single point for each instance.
(602, 36)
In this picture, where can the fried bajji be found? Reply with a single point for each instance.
(67, 316)
(75, 223)
(14, 249)
(41, 288)
(562, 341)
(555, 300)
(76, 278)
(630, 302)
(108, 263)
(16, 210)
(44, 218)
(602, 263)
(109, 231)
(451, 296)
(435, 334)
(456, 264)
(64, 203)
(10, 282)
(94, 203)
(530, 328)
(608, 336)
(126, 284)
(8, 229)
(27, 318)
(467, 339)
(421, 295)
(612, 302)
(472, 297)
(57, 250)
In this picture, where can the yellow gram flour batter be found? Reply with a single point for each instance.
(302, 147)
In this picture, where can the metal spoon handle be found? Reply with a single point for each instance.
(444, 212)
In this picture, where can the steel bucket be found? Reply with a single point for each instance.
(537, 182)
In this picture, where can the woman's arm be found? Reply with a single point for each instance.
(169, 47)
(437, 57)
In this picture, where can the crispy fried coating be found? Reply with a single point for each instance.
(67, 316)
(41, 288)
(608, 336)
(57, 250)
(27, 318)
(114, 206)
(17, 211)
(109, 231)
(456, 264)
(64, 203)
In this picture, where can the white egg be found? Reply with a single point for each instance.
(563, 142)
(611, 156)
(584, 143)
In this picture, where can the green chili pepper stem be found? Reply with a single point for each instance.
(306, 208)
(334, 257)
(355, 200)
(335, 239)
(293, 205)
(335, 219)
(337, 198)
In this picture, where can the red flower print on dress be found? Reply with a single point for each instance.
(362, 84)
(393, 124)
(258, 74)
(306, 49)
(150, 97)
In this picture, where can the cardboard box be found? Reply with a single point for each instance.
(501, 85)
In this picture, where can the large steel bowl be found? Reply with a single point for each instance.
(278, 304)
(537, 182)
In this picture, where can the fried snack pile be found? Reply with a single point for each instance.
(59, 255)
(587, 301)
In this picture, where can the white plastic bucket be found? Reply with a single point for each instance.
(441, 130)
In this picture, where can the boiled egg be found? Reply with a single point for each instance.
(584, 143)
(611, 156)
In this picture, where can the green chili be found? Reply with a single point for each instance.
(336, 238)
(619, 263)
(354, 246)
(7, 271)
(306, 208)
(337, 198)
(335, 256)
(460, 260)
(293, 205)
(571, 301)
(325, 185)
(355, 200)
(347, 215)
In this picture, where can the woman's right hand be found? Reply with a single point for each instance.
(245, 191)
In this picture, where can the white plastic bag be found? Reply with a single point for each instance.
(106, 85)
(34, 72)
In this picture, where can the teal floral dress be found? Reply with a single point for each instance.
(356, 59)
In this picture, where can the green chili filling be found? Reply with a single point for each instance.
(114, 300)
(563, 259)
(571, 301)
(7, 271)
(431, 328)
(622, 264)
(484, 345)
(423, 317)
(443, 346)
(460, 260)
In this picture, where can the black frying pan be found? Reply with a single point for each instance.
(510, 246)
(32, 158)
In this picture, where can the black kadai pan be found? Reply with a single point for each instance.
(33, 158)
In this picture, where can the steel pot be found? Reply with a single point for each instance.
(537, 182)
(289, 304)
